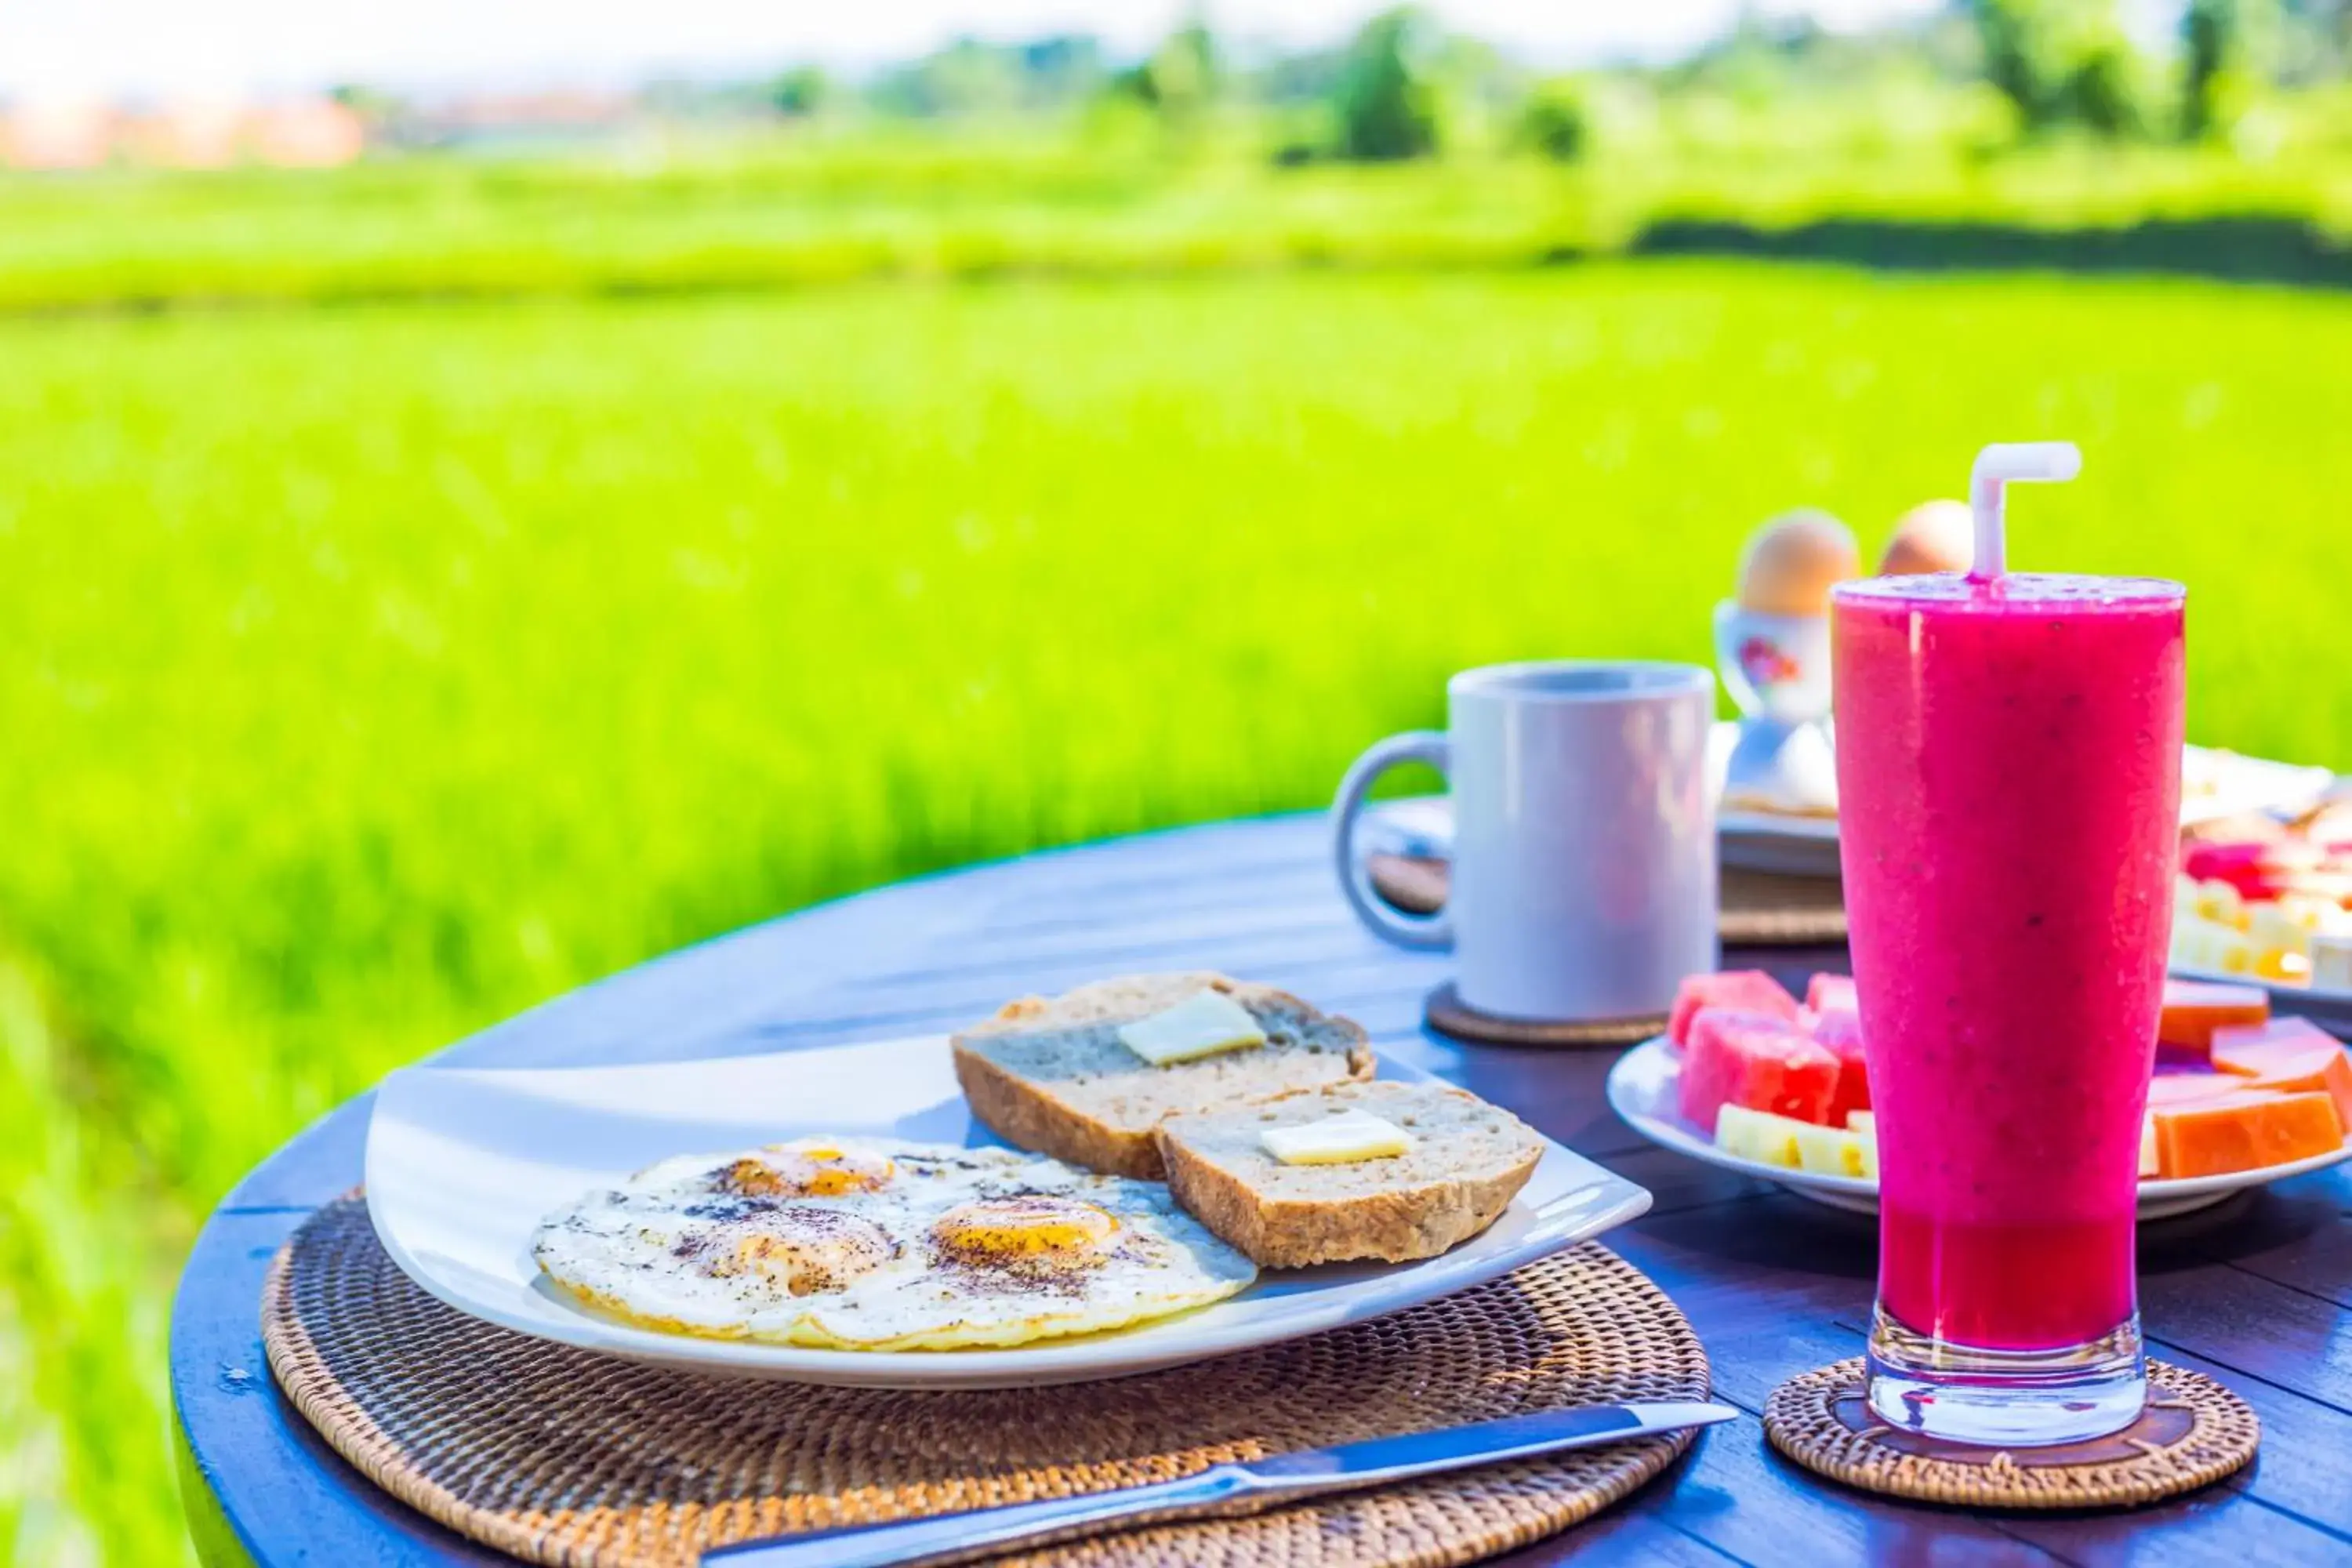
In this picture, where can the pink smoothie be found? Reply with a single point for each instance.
(2009, 807)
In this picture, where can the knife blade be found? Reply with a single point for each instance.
(1238, 1487)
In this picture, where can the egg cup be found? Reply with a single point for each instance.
(1776, 669)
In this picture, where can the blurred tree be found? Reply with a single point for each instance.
(1555, 121)
(1180, 79)
(2106, 88)
(1383, 104)
(2225, 47)
(2063, 61)
(1475, 92)
(1311, 75)
(800, 92)
(967, 77)
(2021, 57)
(1061, 69)
(2313, 42)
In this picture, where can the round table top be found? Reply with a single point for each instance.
(2257, 1293)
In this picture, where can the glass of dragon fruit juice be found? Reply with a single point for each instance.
(2008, 757)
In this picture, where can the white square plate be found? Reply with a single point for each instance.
(462, 1165)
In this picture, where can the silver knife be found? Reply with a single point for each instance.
(1235, 1487)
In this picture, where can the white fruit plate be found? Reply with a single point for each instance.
(1641, 1090)
(463, 1164)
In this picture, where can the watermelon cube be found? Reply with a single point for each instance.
(1759, 1060)
(2223, 862)
(1746, 990)
(1839, 1031)
(1832, 994)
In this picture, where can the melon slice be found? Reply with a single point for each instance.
(1759, 1135)
(2193, 1009)
(1748, 990)
(2244, 1131)
(1831, 1151)
(2293, 1055)
(1864, 1125)
(1756, 1061)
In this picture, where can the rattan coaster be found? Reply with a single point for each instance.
(1445, 1011)
(1758, 909)
(2193, 1433)
(560, 1456)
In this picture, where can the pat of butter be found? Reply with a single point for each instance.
(1340, 1140)
(1200, 1025)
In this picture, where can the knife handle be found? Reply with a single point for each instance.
(951, 1537)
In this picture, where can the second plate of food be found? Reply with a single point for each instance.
(886, 1236)
(1643, 1089)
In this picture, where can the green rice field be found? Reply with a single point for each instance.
(375, 670)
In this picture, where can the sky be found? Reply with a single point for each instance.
(73, 48)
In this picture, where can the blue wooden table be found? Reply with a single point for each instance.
(2255, 1293)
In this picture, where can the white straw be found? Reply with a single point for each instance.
(1996, 467)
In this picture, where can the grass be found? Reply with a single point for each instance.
(799, 213)
(374, 672)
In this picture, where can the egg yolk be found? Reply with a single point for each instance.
(1023, 1227)
(808, 1251)
(809, 1168)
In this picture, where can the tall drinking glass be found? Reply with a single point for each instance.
(2009, 793)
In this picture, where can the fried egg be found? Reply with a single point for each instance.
(862, 1245)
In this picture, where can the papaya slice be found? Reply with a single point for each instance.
(2244, 1131)
(2290, 1055)
(2193, 1009)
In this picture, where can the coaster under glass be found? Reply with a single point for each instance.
(1917, 1382)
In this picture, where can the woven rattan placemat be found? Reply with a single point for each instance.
(1758, 909)
(560, 1456)
(2193, 1433)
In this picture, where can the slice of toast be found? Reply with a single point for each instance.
(1054, 1076)
(1468, 1159)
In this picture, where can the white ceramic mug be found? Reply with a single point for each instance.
(1583, 880)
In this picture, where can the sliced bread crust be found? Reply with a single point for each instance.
(1054, 1076)
(1469, 1159)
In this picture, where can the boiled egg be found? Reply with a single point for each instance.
(1792, 563)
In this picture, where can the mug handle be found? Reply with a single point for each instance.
(1435, 931)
